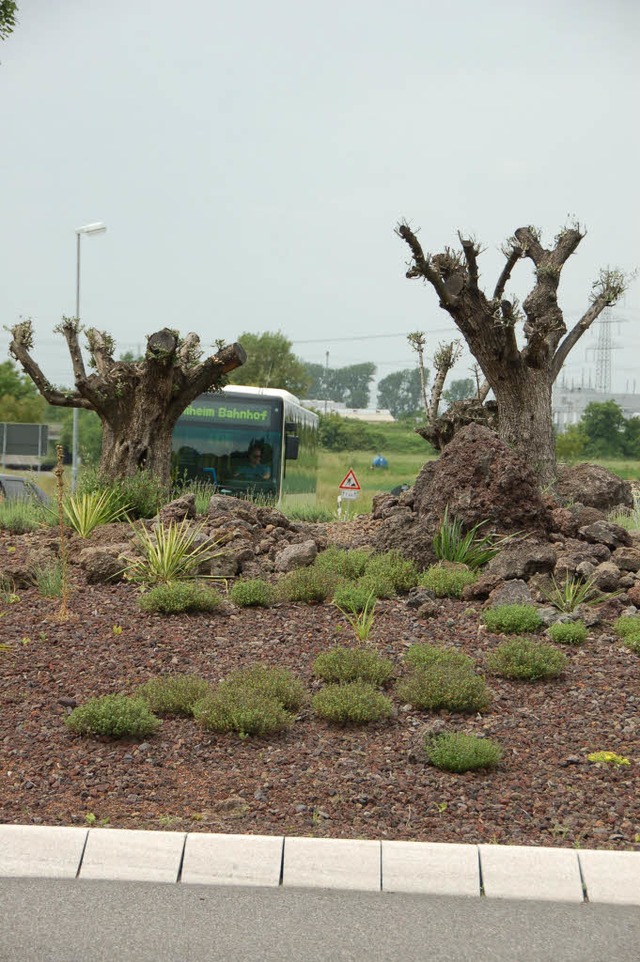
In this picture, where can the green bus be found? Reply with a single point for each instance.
(249, 442)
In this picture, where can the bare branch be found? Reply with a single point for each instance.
(443, 360)
(417, 342)
(189, 352)
(210, 373)
(513, 254)
(70, 327)
(21, 343)
(471, 253)
(529, 240)
(423, 267)
(608, 289)
(101, 346)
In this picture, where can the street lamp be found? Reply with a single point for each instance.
(97, 228)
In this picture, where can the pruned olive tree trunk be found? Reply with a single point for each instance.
(521, 376)
(139, 402)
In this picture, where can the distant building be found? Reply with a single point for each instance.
(569, 404)
(370, 415)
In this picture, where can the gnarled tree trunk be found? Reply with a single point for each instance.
(138, 402)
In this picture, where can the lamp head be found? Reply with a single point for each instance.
(97, 228)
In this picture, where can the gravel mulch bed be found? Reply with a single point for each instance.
(314, 779)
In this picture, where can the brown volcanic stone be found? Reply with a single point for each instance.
(590, 484)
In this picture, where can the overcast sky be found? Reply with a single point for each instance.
(251, 160)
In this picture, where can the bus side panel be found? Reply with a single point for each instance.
(299, 480)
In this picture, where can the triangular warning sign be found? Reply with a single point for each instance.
(349, 482)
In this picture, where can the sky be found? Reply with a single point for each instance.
(251, 161)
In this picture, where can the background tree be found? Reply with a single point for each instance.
(348, 385)
(8, 18)
(460, 390)
(271, 363)
(138, 404)
(602, 426)
(400, 392)
(19, 399)
(521, 377)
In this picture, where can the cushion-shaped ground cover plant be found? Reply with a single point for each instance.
(179, 596)
(568, 632)
(445, 685)
(280, 684)
(173, 694)
(377, 585)
(355, 703)
(425, 655)
(526, 659)
(118, 716)
(512, 619)
(456, 752)
(447, 581)
(340, 664)
(347, 563)
(391, 567)
(252, 593)
(243, 710)
(307, 585)
(353, 597)
(627, 627)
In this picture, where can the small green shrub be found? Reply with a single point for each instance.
(279, 684)
(526, 660)
(568, 632)
(178, 596)
(253, 593)
(243, 710)
(627, 627)
(391, 567)
(348, 564)
(609, 758)
(353, 597)
(118, 716)
(455, 752)
(424, 656)
(311, 513)
(632, 643)
(49, 579)
(141, 495)
(173, 694)
(307, 585)
(376, 585)
(356, 703)
(445, 685)
(512, 619)
(342, 665)
(446, 582)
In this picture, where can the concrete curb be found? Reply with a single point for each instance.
(428, 868)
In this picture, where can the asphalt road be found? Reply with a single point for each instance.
(82, 921)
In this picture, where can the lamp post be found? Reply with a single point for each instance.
(98, 228)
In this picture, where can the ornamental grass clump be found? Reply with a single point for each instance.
(179, 596)
(627, 627)
(354, 703)
(173, 694)
(512, 619)
(447, 685)
(118, 716)
(170, 553)
(348, 564)
(49, 579)
(526, 660)
(392, 568)
(21, 515)
(344, 665)
(568, 632)
(447, 581)
(455, 752)
(473, 549)
(424, 656)
(252, 593)
(89, 510)
(307, 585)
(573, 591)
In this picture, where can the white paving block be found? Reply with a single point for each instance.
(232, 859)
(431, 868)
(611, 876)
(40, 851)
(339, 863)
(113, 853)
(523, 872)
